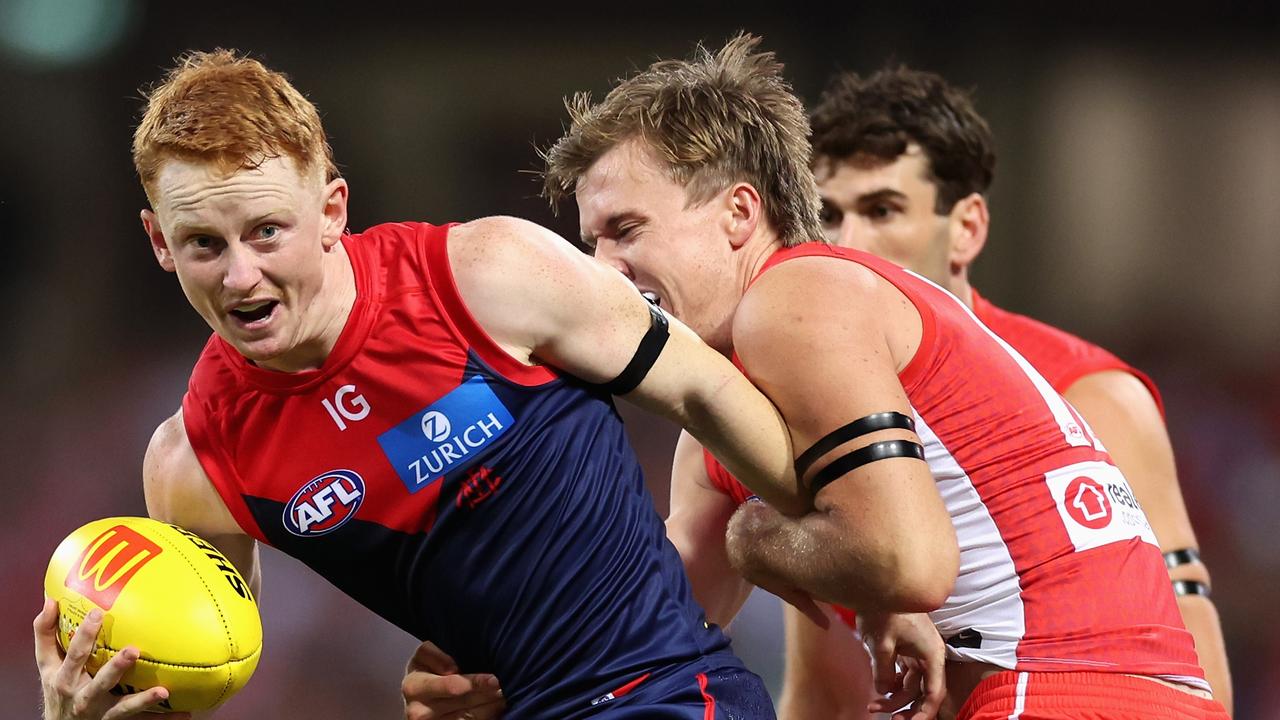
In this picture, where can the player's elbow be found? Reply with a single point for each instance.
(925, 580)
(909, 577)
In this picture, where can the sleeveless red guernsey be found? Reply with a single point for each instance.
(1062, 358)
(1059, 569)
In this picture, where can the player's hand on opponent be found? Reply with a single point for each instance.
(69, 692)
(434, 689)
(908, 661)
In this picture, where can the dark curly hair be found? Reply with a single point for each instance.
(884, 113)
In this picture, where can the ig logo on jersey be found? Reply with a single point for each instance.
(324, 503)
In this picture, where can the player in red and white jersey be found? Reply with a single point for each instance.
(677, 183)
(903, 161)
(683, 181)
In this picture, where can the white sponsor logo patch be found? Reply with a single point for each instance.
(1097, 506)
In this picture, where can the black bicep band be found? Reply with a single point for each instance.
(863, 456)
(1183, 556)
(646, 354)
(1190, 587)
(840, 436)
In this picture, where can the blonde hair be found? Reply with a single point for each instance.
(711, 121)
(229, 110)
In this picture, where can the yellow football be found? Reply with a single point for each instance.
(168, 593)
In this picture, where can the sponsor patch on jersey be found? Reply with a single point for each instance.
(1097, 506)
(446, 436)
(324, 504)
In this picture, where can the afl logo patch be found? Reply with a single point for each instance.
(324, 504)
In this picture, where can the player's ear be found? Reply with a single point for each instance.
(967, 227)
(159, 246)
(335, 211)
(744, 212)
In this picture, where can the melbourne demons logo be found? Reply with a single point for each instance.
(324, 504)
(107, 565)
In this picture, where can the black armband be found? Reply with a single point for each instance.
(646, 354)
(1190, 587)
(1184, 556)
(858, 458)
(857, 428)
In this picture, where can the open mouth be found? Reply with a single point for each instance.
(652, 297)
(249, 314)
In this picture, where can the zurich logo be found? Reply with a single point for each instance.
(447, 437)
(436, 426)
(324, 503)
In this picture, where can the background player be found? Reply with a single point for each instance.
(903, 163)
(394, 405)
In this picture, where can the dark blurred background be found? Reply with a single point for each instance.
(1136, 202)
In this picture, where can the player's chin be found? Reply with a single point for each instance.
(258, 350)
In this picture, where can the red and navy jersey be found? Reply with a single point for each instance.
(491, 507)
(1059, 569)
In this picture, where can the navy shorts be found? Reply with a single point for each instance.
(724, 693)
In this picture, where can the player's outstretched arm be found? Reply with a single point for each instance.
(1122, 412)
(825, 340)
(696, 526)
(544, 301)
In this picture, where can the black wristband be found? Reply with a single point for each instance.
(1184, 556)
(1190, 587)
(646, 354)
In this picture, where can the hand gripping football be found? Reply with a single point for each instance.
(170, 594)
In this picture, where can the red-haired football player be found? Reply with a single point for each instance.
(424, 415)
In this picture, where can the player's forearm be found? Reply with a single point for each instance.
(745, 432)
(822, 554)
(827, 672)
(1201, 618)
(716, 586)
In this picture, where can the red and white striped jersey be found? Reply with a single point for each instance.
(1059, 569)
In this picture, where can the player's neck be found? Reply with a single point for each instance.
(341, 277)
(754, 254)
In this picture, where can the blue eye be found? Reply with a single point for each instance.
(269, 231)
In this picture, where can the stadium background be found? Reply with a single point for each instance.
(1137, 202)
